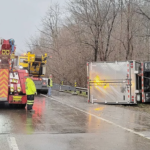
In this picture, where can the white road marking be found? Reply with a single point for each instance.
(12, 143)
(110, 122)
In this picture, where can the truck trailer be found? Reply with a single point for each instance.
(125, 82)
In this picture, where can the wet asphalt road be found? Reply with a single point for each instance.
(67, 122)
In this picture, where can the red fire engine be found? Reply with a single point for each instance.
(12, 81)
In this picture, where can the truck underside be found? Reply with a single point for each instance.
(118, 82)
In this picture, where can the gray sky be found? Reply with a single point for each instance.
(19, 19)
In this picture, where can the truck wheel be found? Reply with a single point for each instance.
(38, 91)
(44, 91)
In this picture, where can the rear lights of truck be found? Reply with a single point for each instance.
(44, 83)
(37, 79)
(18, 88)
(11, 88)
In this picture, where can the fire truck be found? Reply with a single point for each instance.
(125, 82)
(12, 81)
(35, 65)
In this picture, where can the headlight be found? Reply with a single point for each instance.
(19, 89)
(20, 67)
(12, 89)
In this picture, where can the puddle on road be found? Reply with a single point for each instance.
(53, 117)
(18, 120)
(99, 109)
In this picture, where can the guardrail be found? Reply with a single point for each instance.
(80, 89)
(74, 90)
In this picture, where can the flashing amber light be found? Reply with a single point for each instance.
(99, 109)
(98, 82)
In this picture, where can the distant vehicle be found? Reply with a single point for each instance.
(35, 65)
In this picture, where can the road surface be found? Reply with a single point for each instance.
(68, 122)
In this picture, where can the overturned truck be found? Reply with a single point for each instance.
(118, 82)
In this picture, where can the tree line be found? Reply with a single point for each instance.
(92, 30)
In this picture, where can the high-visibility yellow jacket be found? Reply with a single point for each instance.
(50, 82)
(30, 87)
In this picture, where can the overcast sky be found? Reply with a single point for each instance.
(19, 19)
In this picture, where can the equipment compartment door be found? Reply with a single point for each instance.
(3, 84)
(109, 82)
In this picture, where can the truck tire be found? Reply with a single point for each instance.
(38, 91)
(44, 91)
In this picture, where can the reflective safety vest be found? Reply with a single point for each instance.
(30, 87)
(50, 82)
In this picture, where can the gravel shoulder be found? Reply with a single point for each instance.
(139, 107)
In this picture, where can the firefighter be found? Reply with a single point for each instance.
(30, 91)
(50, 84)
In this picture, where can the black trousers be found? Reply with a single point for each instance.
(30, 101)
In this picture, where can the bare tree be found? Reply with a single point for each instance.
(90, 17)
(143, 9)
(95, 30)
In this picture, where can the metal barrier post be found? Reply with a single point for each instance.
(62, 82)
(75, 85)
